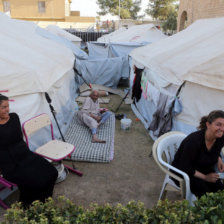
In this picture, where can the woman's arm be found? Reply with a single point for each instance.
(211, 177)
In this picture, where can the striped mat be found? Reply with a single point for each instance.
(80, 136)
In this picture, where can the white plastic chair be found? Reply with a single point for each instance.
(54, 150)
(166, 146)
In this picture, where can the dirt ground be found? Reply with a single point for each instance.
(132, 175)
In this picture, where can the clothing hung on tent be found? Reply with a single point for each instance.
(162, 118)
(136, 88)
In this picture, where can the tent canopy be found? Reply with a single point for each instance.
(60, 32)
(29, 63)
(194, 54)
(138, 33)
(106, 38)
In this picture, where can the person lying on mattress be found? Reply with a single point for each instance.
(92, 115)
(200, 151)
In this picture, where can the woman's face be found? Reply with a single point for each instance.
(4, 109)
(216, 127)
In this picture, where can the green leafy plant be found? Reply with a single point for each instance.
(209, 209)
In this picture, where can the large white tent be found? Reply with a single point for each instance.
(32, 65)
(106, 37)
(62, 33)
(194, 57)
(108, 62)
(138, 34)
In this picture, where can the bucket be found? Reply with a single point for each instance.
(125, 123)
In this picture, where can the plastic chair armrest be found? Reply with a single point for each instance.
(173, 175)
(185, 176)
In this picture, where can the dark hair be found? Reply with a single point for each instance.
(210, 118)
(2, 97)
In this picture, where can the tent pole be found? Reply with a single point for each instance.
(53, 113)
(76, 71)
(122, 100)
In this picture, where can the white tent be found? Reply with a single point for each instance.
(62, 33)
(194, 56)
(137, 34)
(115, 54)
(32, 65)
(106, 38)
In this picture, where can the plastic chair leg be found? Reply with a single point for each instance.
(3, 205)
(163, 191)
(73, 170)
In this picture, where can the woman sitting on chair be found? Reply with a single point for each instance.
(200, 152)
(34, 175)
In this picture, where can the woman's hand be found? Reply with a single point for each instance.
(220, 165)
(212, 177)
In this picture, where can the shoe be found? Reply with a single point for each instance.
(119, 116)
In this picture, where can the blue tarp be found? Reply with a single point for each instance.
(107, 63)
(109, 50)
(103, 71)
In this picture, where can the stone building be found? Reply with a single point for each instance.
(42, 10)
(191, 10)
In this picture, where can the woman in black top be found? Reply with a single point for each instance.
(200, 152)
(34, 175)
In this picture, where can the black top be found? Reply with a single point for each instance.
(13, 149)
(193, 154)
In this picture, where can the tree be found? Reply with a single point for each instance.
(160, 9)
(128, 8)
(165, 10)
(171, 22)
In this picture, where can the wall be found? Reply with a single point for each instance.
(75, 13)
(191, 10)
(28, 9)
(79, 19)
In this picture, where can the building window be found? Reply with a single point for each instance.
(41, 7)
(6, 6)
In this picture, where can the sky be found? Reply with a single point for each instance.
(89, 7)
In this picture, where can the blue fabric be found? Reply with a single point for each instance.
(107, 63)
(103, 71)
(177, 107)
(105, 116)
(123, 49)
(109, 50)
(93, 130)
(99, 50)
